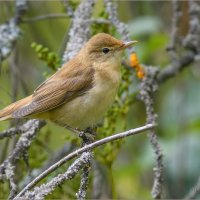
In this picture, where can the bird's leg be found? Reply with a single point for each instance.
(87, 135)
(75, 130)
(91, 131)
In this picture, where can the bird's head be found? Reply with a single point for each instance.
(104, 48)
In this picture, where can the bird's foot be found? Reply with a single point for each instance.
(75, 130)
(91, 131)
(87, 135)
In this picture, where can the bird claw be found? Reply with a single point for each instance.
(87, 135)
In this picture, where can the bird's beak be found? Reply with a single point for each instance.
(128, 44)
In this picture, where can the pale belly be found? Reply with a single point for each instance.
(87, 110)
(83, 111)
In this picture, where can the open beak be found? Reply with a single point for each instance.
(128, 44)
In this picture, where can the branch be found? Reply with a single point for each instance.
(111, 9)
(64, 150)
(10, 32)
(44, 17)
(192, 40)
(68, 8)
(84, 182)
(148, 88)
(80, 31)
(45, 189)
(175, 40)
(83, 149)
(194, 191)
(62, 16)
(176, 67)
(8, 166)
(20, 129)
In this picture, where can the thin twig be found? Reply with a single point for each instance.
(19, 129)
(84, 182)
(148, 88)
(83, 149)
(62, 16)
(68, 8)
(175, 40)
(44, 17)
(80, 31)
(111, 9)
(8, 166)
(45, 189)
(64, 150)
(192, 40)
(173, 69)
(194, 191)
(10, 31)
(81, 194)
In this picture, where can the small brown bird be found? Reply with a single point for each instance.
(80, 92)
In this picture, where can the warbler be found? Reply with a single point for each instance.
(78, 94)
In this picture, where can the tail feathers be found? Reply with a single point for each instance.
(7, 112)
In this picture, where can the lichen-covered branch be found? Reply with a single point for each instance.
(7, 168)
(176, 67)
(190, 45)
(84, 149)
(45, 189)
(148, 88)
(79, 32)
(10, 31)
(194, 191)
(19, 129)
(81, 195)
(174, 39)
(111, 9)
(192, 40)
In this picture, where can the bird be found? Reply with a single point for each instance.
(81, 91)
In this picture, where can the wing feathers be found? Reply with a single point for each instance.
(6, 113)
(66, 84)
(56, 92)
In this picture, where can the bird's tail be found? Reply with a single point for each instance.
(7, 112)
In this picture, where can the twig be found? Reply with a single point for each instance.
(111, 9)
(84, 182)
(194, 191)
(192, 40)
(45, 189)
(79, 32)
(10, 32)
(24, 142)
(61, 16)
(175, 40)
(68, 8)
(148, 87)
(83, 149)
(175, 68)
(64, 150)
(44, 17)
(20, 129)
(21, 8)
(81, 195)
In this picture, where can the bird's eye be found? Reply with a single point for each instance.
(105, 50)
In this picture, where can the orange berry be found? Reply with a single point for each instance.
(140, 74)
(134, 60)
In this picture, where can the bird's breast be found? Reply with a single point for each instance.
(88, 109)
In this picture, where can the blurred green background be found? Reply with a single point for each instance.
(130, 175)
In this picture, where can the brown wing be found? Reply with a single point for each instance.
(60, 88)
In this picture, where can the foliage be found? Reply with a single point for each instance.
(50, 58)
